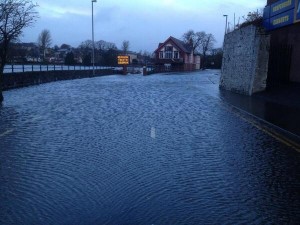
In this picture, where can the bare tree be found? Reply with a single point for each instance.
(86, 46)
(194, 39)
(85, 49)
(104, 45)
(44, 41)
(110, 46)
(201, 42)
(189, 37)
(206, 46)
(15, 15)
(255, 18)
(125, 46)
(65, 46)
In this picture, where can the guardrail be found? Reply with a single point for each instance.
(24, 79)
(15, 68)
(133, 69)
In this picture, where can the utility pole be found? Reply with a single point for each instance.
(226, 23)
(234, 22)
(93, 38)
(225, 30)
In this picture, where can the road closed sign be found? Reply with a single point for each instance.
(123, 60)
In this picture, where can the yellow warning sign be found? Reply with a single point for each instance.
(123, 60)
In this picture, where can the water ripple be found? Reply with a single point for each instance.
(84, 152)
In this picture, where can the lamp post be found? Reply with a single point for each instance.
(226, 23)
(93, 39)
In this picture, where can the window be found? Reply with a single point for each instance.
(169, 55)
(168, 48)
(168, 67)
(169, 52)
(176, 55)
(161, 55)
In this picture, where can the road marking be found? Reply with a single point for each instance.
(153, 133)
(34, 119)
(273, 134)
(295, 146)
(7, 132)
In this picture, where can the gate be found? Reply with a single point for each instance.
(279, 64)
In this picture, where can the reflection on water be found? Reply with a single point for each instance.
(139, 150)
(284, 116)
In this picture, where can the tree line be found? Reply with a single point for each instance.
(105, 52)
(41, 52)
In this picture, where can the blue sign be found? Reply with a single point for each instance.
(298, 12)
(282, 20)
(281, 14)
(266, 24)
(281, 7)
(267, 11)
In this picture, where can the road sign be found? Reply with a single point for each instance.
(282, 20)
(298, 11)
(281, 13)
(123, 60)
(281, 7)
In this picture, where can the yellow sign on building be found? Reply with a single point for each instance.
(123, 60)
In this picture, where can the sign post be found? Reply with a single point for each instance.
(124, 60)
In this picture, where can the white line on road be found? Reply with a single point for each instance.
(153, 133)
(9, 131)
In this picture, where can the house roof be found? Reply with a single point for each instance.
(180, 44)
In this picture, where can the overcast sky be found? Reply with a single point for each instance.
(144, 23)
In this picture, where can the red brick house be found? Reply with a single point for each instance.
(174, 54)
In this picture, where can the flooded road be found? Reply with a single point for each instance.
(162, 149)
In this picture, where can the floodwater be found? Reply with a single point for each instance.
(161, 149)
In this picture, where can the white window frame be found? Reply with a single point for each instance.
(176, 55)
(161, 54)
(169, 55)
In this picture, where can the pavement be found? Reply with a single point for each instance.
(278, 108)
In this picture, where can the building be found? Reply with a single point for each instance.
(174, 54)
(133, 56)
(24, 52)
(282, 21)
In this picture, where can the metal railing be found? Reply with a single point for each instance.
(133, 69)
(15, 68)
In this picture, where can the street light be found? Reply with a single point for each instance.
(93, 39)
(226, 23)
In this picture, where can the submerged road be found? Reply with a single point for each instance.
(162, 149)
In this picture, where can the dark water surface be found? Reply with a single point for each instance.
(161, 149)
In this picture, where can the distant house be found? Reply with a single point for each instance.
(174, 54)
(24, 52)
(133, 56)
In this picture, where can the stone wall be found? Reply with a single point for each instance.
(18, 80)
(245, 60)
